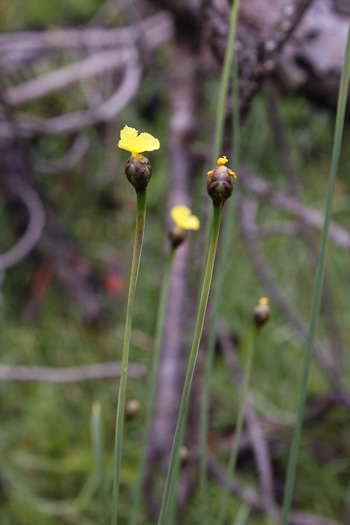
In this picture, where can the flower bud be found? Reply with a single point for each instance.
(262, 312)
(185, 456)
(138, 171)
(132, 409)
(220, 182)
(176, 236)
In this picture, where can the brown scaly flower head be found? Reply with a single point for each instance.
(220, 182)
(262, 312)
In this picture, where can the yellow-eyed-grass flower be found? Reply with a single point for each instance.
(220, 182)
(184, 220)
(138, 171)
(219, 193)
(262, 312)
(220, 277)
(132, 409)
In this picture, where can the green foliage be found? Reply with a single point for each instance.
(47, 467)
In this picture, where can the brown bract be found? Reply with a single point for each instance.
(138, 171)
(220, 184)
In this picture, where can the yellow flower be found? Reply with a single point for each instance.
(184, 219)
(263, 300)
(222, 161)
(135, 143)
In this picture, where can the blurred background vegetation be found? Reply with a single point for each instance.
(47, 471)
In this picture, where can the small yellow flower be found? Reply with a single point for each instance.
(263, 301)
(135, 143)
(184, 219)
(222, 161)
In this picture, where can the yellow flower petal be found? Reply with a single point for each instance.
(131, 141)
(222, 161)
(232, 173)
(263, 301)
(184, 219)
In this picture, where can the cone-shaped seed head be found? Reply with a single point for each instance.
(177, 236)
(220, 182)
(262, 312)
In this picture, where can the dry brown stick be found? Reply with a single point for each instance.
(72, 122)
(61, 78)
(262, 188)
(174, 357)
(247, 213)
(278, 228)
(35, 225)
(260, 448)
(252, 500)
(77, 151)
(70, 374)
(153, 31)
(291, 174)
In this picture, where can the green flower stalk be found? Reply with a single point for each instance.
(138, 171)
(319, 278)
(184, 221)
(261, 316)
(98, 450)
(218, 292)
(219, 187)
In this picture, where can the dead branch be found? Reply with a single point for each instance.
(35, 225)
(291, 174)
(250, 498)
(21, 46)
(72, 122)
(247, 213)
(70, 374)
(77, 151)
(260, 448)
(94, 65)
(174, 357)
(264, 189)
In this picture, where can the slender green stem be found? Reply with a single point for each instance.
(315, 309)
(98, 448)
(218, 288)
(242, 515)
(153, 380)
(191, 365)
(222, 97)
(239, 425)
(224, 83)
(139, 231)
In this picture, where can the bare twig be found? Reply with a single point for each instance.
(278, 228)
(251, 498)
(152, 32)
(260, 448)
(78, 149)
(247, 213)
(173, 363)
(68, 374)
(94, 65)
(72, 122)
(35, 225)
(261, 188)
(291, 174)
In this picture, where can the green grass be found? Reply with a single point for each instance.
(45, 442)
